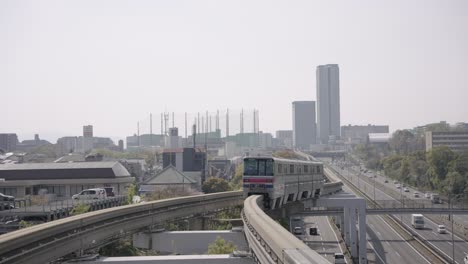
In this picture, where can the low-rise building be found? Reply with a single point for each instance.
(456, 141)
(358, 134)
(62, 179)
(27, 145)
(169, 177)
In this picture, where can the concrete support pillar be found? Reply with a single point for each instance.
(346, 226)
(353, 232)
(362, 233)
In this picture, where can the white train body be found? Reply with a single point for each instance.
(282, 180)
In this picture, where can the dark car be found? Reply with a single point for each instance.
(313, 231)
(109, 191)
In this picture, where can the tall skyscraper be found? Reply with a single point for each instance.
(328, 102)
(304, 130)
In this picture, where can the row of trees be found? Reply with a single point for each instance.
(405, 160)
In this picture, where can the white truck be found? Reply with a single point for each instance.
(417, 221)
(435, 198)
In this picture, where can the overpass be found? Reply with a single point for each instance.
(379, 211)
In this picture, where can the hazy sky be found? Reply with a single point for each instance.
(64, 64)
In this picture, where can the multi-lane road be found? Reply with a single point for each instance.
(325, 242)
(443, 242)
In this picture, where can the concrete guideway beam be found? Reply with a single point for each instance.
(270, 242)
(49, 241)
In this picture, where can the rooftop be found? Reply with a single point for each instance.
(75, 170)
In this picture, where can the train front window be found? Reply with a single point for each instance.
(269, 168)
(258, 167)
(250, 167)
(261, 167)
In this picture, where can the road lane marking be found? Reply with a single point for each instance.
(404, 240)
(396, 252)
(375, 252)
(450, 243)
(336, 237)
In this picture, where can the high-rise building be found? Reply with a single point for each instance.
(284, 138)
(304, 130)
(328, 102)
(8, 142)
(88, 131)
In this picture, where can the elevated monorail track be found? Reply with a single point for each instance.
(50, 241)
(269, 241)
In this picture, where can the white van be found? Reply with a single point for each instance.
(90, 194)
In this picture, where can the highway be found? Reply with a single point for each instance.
(325, 242)
(387, 246)
(441, 241)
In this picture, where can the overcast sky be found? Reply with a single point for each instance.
(64, 64)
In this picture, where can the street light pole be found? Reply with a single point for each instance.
(374, 188)
(451, 217)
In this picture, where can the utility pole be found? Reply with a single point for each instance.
(242, 122)
(227, 123)
(138, 133)
(162, 125)
(151, 129)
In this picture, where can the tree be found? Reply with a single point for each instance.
(401, 141)
(213, 185)
(80, 209)
(119, 248)
(24, 224)
(132, 191)
(439, 159)
(236, 181)
(220, 246)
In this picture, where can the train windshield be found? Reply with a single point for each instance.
(258, 167)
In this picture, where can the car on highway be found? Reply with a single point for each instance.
(416, 195)
(90, 194)
(406, 189)
(296, 218)
(465, 259)
(339, 258)
(297, 230)
(398, 186)
(427, 195)
(386, 181)
(441, 229)
(313, 231)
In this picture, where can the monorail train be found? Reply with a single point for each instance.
(282, 180)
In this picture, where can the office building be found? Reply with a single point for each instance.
(88, 131)
(284, 138)
(358, 134)
(8, 142)
(328, 102)
(304, 129)
(456, 141)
